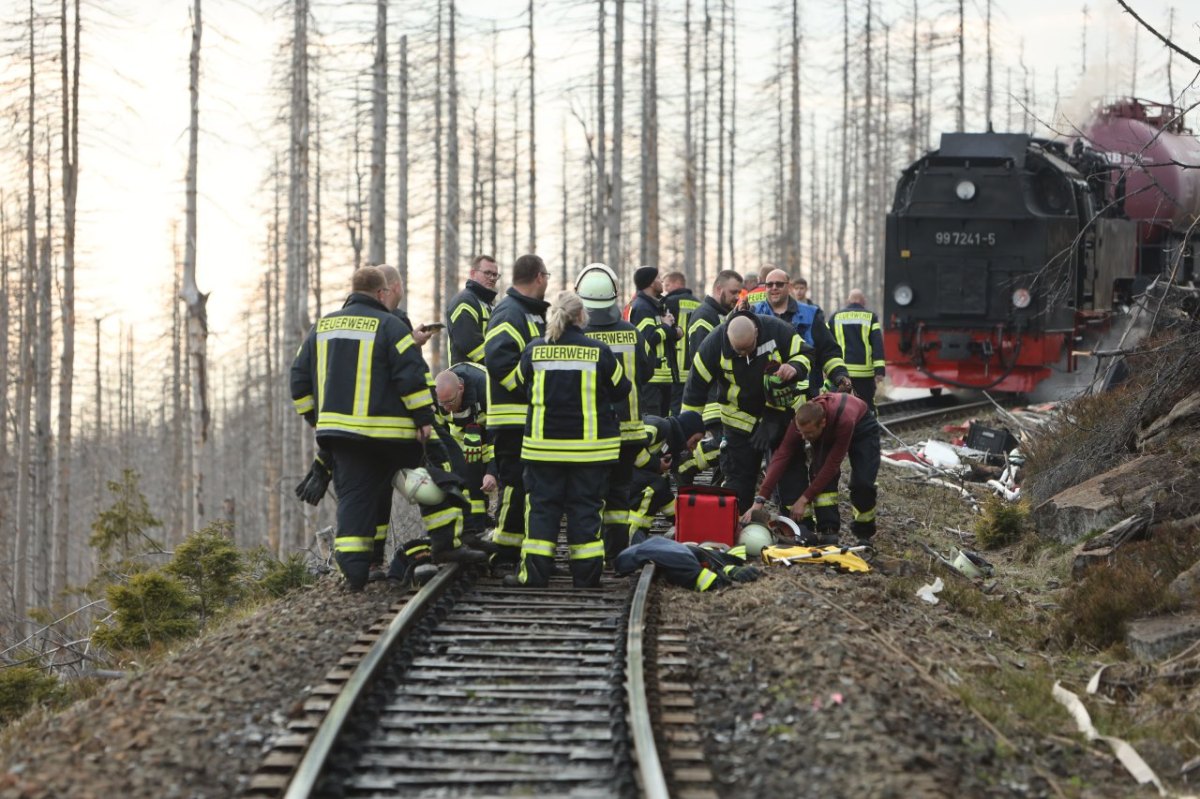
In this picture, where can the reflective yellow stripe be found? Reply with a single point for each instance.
(587, 406)
(401, 427)
(460, 309)
(536, 546)
(503, 539)
(353, 544)
(362, 383)
(602, 450)
(304, 404)
(476, 354)
(712, 412)
(592, 549)
(381, 531)
(417, 399)
(504, 328)
(510, 380)
(739, 420)
(826, 500)
(438, 518)
(616, 517)
(700, 368)
(403, 345)
(322, 368)
(506, 415)
(696, 408)
(705, 579)
(863, 515)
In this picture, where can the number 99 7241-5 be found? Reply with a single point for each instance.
(964, 238)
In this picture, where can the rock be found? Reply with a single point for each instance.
(1100, 502)
(1160, 637)
(1098, 550)
(1186, 586)
(1185, 412)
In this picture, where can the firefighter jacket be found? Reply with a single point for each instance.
(687, 565)
(756, 294)
(466, 321)
(809, 322)
(703, 321)
(630, 349)
(660, 437)
(468, 424)
(741, 380)
(646, 314)
(359, 374)
(573, 385)
(860, 337)
(515, 321)
(681, 303)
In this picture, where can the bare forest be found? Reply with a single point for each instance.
(696, 135)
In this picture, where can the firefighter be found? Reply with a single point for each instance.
(666, 443)
(462, 395)
(518, 319)
(758, 292)
(837, 425)
(680, 304)
(809, 322)
(738, 356)
(657, 327)
(704, 320)
(360, 380)
(860, 337)
(597, 288)
(572, 437)
(468, 312)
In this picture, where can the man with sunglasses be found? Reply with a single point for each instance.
(468, 312)
(809, 322)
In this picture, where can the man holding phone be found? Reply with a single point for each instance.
(468, 312)
(393, 295)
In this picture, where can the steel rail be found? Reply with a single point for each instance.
(304, 781)
(654, 783)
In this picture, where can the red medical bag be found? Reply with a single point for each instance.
(705, 514)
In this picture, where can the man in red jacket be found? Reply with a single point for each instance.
(837, 425)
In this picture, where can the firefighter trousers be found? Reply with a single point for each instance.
(864, 389)
(619, 502)
(510, 520)
(556, 489)
(864, 468)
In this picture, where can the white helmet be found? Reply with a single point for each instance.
(597, 286)
(755, 537)
(418, 487)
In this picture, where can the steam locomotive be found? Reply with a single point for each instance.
(1007, 254)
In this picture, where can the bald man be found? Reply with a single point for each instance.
(738, 356)
(461, 394)
(860, 338)
(809, 322)
(393, 296)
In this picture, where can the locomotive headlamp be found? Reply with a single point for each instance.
(965, 190)
(902, 294)
(1021, 298)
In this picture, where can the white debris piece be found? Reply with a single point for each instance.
(929, 591)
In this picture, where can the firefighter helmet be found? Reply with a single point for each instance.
(755, 537)
(597, 286)
(418, 487)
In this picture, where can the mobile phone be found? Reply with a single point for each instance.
(432, 326)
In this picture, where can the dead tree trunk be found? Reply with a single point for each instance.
(914, 95)
(197, 326)
(618, 157)
(960, 112)
(377, 247)
(732, 123)
(475, 185)
(295, 322)
(495, 165)
(689, 150)
(42, 488)
(598, 226)
(532, 142)
(843, 211)
(8, 549)
(650, 186)
(69, 61)
(721, 141)
(402, 169)
(792, 248)
(566, 197)
(702, 233)
(178, 514)
(450, 275)
(988, 89)
(436, 343)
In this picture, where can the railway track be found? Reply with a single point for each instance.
(474, 689)
(905, 413)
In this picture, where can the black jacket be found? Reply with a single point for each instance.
(389, 401)
(704, 320)
(743, 395)
(572, 384)
(645, 313)
(515, 321)
(858, 333)
(467, 317)
(681, 303)
(630, 349)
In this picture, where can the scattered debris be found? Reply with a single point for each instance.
(1125, 753)
(929, 591)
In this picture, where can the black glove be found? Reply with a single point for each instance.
(743, 574)
(314, 485)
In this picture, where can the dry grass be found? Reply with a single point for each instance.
(1001, 523)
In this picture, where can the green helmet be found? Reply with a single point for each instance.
(597, 286)
(755, 537)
